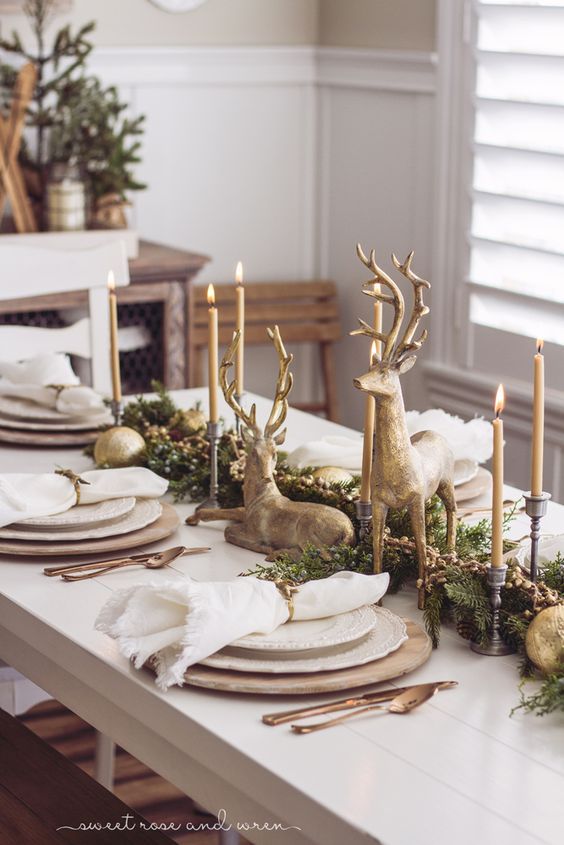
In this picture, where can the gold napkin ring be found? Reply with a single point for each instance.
(58, 388)
(75, 480)
(287, 589)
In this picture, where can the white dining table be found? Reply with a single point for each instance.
(457, 770)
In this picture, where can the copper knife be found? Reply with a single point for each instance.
(281, 717)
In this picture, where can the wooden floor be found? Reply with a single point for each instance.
(136, 785)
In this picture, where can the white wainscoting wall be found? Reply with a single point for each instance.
(284, 157)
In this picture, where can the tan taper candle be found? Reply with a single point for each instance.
(369, 411)
(114, 345)
(240, 327)
(212, 355)
(537, 452)
(497, 480)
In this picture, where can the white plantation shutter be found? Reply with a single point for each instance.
(516, 272)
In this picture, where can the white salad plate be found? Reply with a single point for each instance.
(386, 636)
(80, 516)
(28, 413)
(143, 513)
(464, 471)
(307, 634)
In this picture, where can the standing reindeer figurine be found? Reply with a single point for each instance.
(269, 522)
(406, 471)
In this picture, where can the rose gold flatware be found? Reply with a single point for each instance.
(82, 571)
(283, 716)
(408, 700)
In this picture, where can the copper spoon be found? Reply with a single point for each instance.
(156, 561)
(403, 703)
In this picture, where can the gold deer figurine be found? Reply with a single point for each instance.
(406, 471)
(269, 522)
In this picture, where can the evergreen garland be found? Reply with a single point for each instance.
(456, 582)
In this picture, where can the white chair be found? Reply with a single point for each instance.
(27, 271)
(37, 270)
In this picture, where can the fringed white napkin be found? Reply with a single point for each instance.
(468, 440)
(40, 380)
(182, 622)
(27, 495)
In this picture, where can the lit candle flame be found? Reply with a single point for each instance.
(373, 354)
(211, 296)
(499, 400)
(540, 344)
(111, 281)
(239, 273)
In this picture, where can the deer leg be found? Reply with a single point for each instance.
(417, 516)
(379, 513)
(239, 535)
(213, 514)
(445, 492)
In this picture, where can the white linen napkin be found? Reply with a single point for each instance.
(468, 440)
(30, 380)
(549, 547)
(184, 621)
(27, 495)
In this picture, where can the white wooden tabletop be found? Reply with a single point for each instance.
(456, 770)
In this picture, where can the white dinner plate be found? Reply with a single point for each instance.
(144, 513)
(80, 516)
(386, 636)
(308, 634)
(26, 413)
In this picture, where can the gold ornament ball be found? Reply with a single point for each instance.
(545, 640)
(334, 475)
(192, 420)
(118, 447)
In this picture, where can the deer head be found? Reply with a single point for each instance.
(396, 356)
(261, 443)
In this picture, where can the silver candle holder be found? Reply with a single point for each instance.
(213, 435)
(535, 508)
(117, 406)
(495, 646)
(364, 516)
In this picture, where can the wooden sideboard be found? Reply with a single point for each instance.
(161, 280)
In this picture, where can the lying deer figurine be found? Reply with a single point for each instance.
(269, 522)
(406, 471)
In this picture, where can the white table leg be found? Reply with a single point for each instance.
(104, 760)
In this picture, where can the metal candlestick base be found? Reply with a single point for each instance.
(117, 410)
(213, 435)
(495, 646)
(364, 516)
(238, 397)
(535, 508)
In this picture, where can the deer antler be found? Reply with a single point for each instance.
(249, 420)
(283, 385)
(396, 299)
(407, 344)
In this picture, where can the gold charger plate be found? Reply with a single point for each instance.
(163, 527)
(477, 486)
(19, 437)
(408, 657)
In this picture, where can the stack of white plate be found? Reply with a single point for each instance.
(87, 522)
(22, 420)
(318, 645)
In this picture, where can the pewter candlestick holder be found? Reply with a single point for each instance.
(364, 516)
(495, 645)
(213, 435)
(117, 410)
(535, 508)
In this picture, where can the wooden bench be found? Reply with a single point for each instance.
(307, 312)
(41, 791)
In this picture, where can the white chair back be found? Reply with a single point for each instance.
(28, 271)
